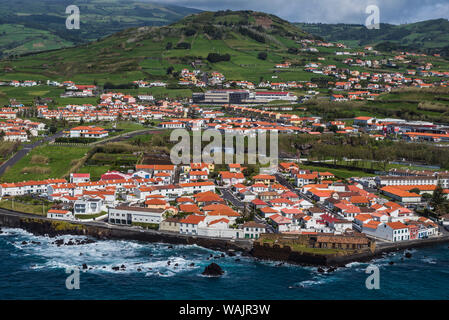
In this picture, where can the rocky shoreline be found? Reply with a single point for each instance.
(52, 228)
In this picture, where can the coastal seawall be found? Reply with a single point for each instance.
(43, 226)
(284, 253)
(276, 252)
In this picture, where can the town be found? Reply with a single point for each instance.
(237, 201)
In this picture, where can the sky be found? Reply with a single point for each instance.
(331, 11)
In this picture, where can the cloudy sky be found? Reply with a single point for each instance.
(331, 11)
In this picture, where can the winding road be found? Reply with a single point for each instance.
(25, 150)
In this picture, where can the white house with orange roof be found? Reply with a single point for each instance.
(60, 214)
(393, 231)
(88, 132)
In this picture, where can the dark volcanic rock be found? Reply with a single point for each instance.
(231, 254)
(331, 269)
(84, 266)
(191, 265)
(213, 270)
(122, 266)
(237, 260)
(24, 242)
(115, 268)
(408, 255)
(59, 242)
(391, 263)
(320, 270)
(139, 270)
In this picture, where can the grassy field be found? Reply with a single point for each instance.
(303, 248)
(30, 26)
(24, 207)
(56, 162)
(142, 54)
(339, 173)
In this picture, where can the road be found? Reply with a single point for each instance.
(28, 147)
(281, 179)
(228, 196)
(25, 150)
(131, 134)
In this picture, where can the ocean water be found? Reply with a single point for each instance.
(38, 271)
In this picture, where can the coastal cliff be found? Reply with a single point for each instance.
(286, 254)
(52, 228)
(264, 251)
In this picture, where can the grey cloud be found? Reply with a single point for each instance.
(331, 11)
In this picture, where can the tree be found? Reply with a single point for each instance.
(170, 70)
(439, 202)
(415, 190)
(262, 55)
(216, 57)
(53, 129)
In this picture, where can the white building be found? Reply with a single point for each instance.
(60, 214)
(129, 215)
(393, 231)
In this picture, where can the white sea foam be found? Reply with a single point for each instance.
(104, 255)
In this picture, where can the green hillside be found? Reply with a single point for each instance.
(430, 36)
(147, 52)
(30, 25)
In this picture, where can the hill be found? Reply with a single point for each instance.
(29, 25)
(429, 37)
(147, 52)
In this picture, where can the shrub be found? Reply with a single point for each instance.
(38, 159)
(216, 57)
(183, 45)
(262, 56)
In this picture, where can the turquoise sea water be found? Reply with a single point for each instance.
(38, 271)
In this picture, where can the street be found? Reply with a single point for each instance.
(25, 150)
(229, 196)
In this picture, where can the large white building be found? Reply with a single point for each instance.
(406, 181)
(128, 215)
